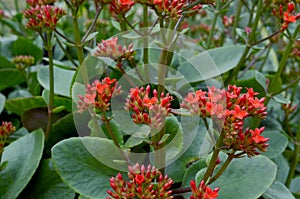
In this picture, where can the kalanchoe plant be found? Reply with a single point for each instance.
(183, 86)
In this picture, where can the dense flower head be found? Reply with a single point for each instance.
(171, 8)
(120, 6)
(147, 109)
(288, 16)
(144, 183)
(6, 129)
(41, 18)
(23, 61)
(98, 95)
(230, 108)
(34, 3)
(111, 48)
(203, 191)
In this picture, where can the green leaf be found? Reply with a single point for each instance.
(47, 184)
(62, 80)
(5, 63)
(10, 77)
(23, 158)
(246, 178)
(6, 44)
(295, 185)
(19, 93)
(2, 102)
(61, 129)
(281, 99)
(211, 63)
(192, 172)
(254, 79)
(23, 46)
(283, 168)
(278, 191)
(77, 162)
(277, 144)
(19, 105)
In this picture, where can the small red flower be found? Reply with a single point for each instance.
(203, 191)
(139, 179)
(120, 6)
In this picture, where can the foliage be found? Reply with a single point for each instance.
(149, 99)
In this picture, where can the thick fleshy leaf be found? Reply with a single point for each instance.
(277, 144)
(295, 185)
(47, 184)
(23, 157)
(278, 191)
(2, 102)
(19, 105)
(283, 168)
(10, 77)
(246, 178)
(211, 63)
(24, 46)
(62, 80)
(4, 63)
(77, 162)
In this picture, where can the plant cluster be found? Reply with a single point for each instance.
(203, 92)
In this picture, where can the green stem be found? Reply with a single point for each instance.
(295, 160)
(77, 37)
(113, 137)
(216, 16)
(212, 164)
(92, 26)
(222, 169)
(51, 83)
(274, 83)
(236, 19)
(234, 74)
(146, 44)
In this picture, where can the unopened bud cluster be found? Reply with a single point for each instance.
(43, 18)
(144, 183)
(6, 129)
(23, 61)
(230, 109)
(110, 48)
(148, 109)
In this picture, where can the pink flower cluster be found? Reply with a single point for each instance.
(146, 183)
(120, 6)
(230, 108)
(98, 95)
(148, 109)
(111, 48)
(203, 191)
(44, 17)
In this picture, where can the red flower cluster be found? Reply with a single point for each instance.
(120, 6)
(230, 108)
(287, 16)
(170, 8)
(6, 129)
(98, 95)
(43, 17)
(146, 109)
(111, 48)
(145, 183)
(34, 3)
(203, 192)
